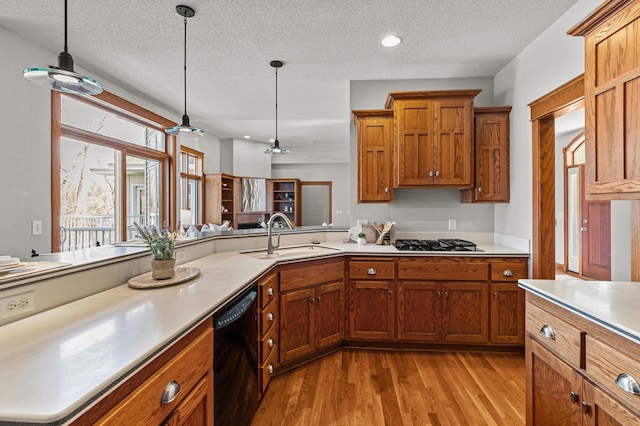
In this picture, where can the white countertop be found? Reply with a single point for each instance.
(614, 305)
(54, 363)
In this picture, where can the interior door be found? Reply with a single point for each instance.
(596, 238)
(573, 218)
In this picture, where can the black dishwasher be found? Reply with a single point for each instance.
(235, 360)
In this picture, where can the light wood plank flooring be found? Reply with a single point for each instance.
(371, 387)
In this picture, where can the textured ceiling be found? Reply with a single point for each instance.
(324, 44)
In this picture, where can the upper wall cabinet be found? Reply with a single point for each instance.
(375, 136)
(433, 139)
(612, 99)
(492, 157)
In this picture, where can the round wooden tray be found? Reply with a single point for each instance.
(145, 280)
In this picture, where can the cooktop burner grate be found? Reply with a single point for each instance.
(444, 244)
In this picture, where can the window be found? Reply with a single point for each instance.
(111, 167)
(191, 162)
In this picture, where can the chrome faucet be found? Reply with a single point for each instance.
(270, 246)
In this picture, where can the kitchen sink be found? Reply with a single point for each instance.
(293, 252)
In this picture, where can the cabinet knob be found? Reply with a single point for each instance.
(495, 295)
(437, 173)
(446, 294)
(270, 291)
(390, 293)
(430, 173)
(372, 271)
(270, 316)
(312, 300)
(479, 189)
(270, 369)
(386, 189)
(507, 273)
(574, 397)
(271, 342)
(548, 332)
(628, 384)
(438, 294)
(583, 229)
(171, 392)
(585, 407)
(318, 299)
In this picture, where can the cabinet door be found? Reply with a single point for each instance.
(297, 318)
(419, 311)
(452, 142)
(465, 312)
(602, 410)
(375, 136)
(507, 313)
(197, 408)
(414, 143)
(371, 310)
(329, 307)
(492, 156)
(553, 389)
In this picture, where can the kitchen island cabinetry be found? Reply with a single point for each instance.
(176, 388)
(573, 376)
(375, 136)
(433, 140)
(611, 85)
(311, 307)
(268, 314)
(491, 157)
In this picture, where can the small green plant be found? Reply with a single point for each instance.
(362, 235)
(160, 242)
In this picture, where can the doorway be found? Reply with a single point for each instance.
(316, 203)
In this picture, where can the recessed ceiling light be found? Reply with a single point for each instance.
(391, 41)
(247, 137)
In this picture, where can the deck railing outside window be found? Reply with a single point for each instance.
(84, 231)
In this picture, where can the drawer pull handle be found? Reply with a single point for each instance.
(372, 271)
(585, 407)
(270, 291)
(170, 393)
(270, 316)
(270, 369)
(628, 384)
(548, 332)
(507, 273)
(270, 342)
(574, 397)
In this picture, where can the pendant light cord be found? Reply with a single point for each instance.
(185, 65)
(276, 141)
(65, 27)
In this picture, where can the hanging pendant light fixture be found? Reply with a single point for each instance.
(63, 78)
(276, 149)
(185, 128)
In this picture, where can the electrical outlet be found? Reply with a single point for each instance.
(36, 227)
(17, 304)
(452, 224)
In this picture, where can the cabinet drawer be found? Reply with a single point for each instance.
(436, 269)
(267, 369)
(144, 405)
(372, 269)
(508, 271)
(561, 337)
(268, 317)
(605, 364)
(268, 343)
(267, 289)
(323, 271)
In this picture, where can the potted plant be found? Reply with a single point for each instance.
(362, 238)
(162, 244)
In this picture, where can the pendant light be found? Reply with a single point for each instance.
(275, 149)
(62, 78)
(185, 128)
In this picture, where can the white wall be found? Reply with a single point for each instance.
(418, 209)
(25, 159)
(249, 159)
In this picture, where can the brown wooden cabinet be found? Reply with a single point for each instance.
(268, 339)
(507, 301)
(491, 156)
(612, 87)
(375, 136)
(311, 307)
(186, 366)
(433, 140)
(571, 372)
(286, 197)
(220, 198)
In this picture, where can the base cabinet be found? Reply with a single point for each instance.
(371, 310)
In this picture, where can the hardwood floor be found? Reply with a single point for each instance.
(370, 387)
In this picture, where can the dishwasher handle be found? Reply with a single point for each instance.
(235, 311)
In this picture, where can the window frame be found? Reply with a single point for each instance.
(187, 152)
(117, 105)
